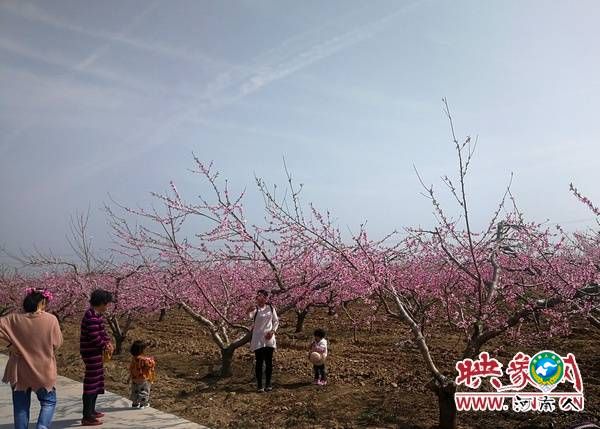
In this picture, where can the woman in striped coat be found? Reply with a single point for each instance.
(93, 342)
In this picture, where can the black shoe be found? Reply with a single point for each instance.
(269, 388)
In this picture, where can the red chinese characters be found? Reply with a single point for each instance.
(470, 372)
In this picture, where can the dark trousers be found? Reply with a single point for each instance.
(264, 356)
(89, 405)
(320, 373)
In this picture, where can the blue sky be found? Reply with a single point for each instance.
(113, 97)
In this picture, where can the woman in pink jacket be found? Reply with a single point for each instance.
(33, 337)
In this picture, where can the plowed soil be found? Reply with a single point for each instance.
(377, 381)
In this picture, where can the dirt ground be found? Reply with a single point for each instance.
(377, 382)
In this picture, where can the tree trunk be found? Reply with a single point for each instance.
(447, 409)
(446, 403)
(163, 313)
(228, 352)
(119, 340)
(226, 362)
(119, 333)
(300, 318)
(475, 342)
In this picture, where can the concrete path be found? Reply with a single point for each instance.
(119, 413)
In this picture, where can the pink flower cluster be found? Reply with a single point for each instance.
(45, 293)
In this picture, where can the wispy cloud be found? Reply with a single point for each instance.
(34, 13)
(121, 86)
(286, 60)
(293, 54)
(234, 84)
(105, 47)
(69, 64)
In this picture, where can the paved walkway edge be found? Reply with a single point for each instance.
(119, 413)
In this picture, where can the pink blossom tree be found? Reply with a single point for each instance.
(11, 287)
(494, 281)
(245, 256)
(485, 283)
(71, 280)
(337, 269)
(586, 253)
(131, 301)
(212, 293)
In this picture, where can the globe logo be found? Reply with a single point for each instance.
(546, 369)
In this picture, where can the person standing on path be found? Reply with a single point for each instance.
(263, 344)
(33, 337)
(94, 341)
(142, 372)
